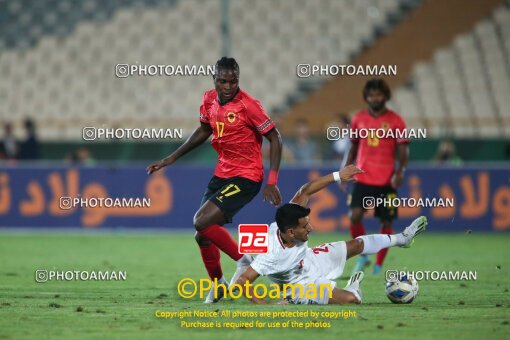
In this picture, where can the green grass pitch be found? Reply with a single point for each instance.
(156, 262)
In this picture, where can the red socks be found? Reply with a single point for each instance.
(379, 258)
(211, 257)
(222, 239)
(357, 230)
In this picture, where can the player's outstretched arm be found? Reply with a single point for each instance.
(302, 196)
(271, 192)
(199, 136)
(245, 281)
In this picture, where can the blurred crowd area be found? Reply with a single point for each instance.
(304, 148)
(28, 147)
(62, 56)
(301, 148)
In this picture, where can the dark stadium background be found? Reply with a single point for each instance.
(57, 76)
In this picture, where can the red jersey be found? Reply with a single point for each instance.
(237, 127)
(377, 156)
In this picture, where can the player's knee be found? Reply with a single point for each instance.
(202, 241)
(359, 245)
(199, 221)
(355, 247)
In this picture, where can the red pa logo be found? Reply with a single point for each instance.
(253, 238)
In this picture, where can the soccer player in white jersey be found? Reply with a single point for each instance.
(289, 260)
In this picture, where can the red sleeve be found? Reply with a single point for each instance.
(204, 114)
(401, 127)
(354, 127)
(258, 117)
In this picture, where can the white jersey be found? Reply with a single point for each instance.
(281, 264)
(299, 264)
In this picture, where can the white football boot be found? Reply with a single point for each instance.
(417, 226)
(353, 285)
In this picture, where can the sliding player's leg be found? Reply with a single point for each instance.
(371, 244)
(329, 259)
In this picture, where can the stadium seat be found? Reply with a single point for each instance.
(70, 49)
(466, 82)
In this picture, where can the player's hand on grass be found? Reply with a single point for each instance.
(347, 174)
(397, 179)
(155, 167)
(272, 194)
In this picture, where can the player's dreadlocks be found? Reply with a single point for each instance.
(226, 63)
(377, 84)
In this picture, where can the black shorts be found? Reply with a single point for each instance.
(230, 194)
(362, 191)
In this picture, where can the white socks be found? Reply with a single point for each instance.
(374, 243)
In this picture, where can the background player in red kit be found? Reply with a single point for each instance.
(377, 158)
(237, 122)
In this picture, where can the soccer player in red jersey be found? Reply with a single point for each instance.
(237, 123)
(376, 156)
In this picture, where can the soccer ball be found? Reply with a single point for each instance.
(402, 290)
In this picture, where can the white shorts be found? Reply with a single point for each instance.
(322, 265)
